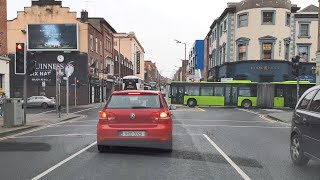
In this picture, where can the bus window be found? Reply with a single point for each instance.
(206, 91)
(192, 91)
(174, 91)
(218, 91)
(244, 92)
(279, 92)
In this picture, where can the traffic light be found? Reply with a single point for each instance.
(296, 66)
(20, 61)
(31, 63)
(53, 77)
(78, 84)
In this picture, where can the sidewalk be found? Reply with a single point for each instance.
(42, 119)
(285, 116)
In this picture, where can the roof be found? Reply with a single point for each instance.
(96, 23)
(136, 91)
(310, 8)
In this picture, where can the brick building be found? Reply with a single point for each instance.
(90, 58)
(4, 61)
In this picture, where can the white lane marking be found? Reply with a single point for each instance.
(54, 135)
(76, 125)
(77, 135)
(37, 129)
(63, 162)
(85, 110)
(215, 120)
(234, 165)
(273, 110)
(86, 121)
(195, 125)
(249, 111)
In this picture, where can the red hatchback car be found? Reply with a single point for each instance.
(135, 119)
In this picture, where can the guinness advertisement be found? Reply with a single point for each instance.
(48, 62)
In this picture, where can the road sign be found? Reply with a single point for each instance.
(69, 69)
(226, 79)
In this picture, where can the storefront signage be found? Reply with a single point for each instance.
(265, 68)
(138, 63)
(43, 71)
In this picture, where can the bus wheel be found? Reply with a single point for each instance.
(192, 103)
(246, 104)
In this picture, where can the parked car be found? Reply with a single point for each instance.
(305, 131)
(135, 119)
(40, 101)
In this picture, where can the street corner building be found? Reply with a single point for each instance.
(57, 37)
(256, 40)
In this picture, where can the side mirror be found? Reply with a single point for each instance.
(172, 107)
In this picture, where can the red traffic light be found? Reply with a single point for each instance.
(78, 81)
(19, 47)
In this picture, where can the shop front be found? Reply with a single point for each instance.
(265, 71)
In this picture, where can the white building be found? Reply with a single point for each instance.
(256, 39)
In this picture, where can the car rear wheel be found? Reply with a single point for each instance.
(192, 103)
(246, 104)
(168, 147)
(296, 151)
(44, 105)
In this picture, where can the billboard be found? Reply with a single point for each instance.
(53, 37)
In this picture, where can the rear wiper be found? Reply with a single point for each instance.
(140, 107)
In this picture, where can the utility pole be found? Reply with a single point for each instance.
(75, 92)
(296, 72)
(119, 60)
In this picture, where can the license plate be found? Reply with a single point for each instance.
(132, 133)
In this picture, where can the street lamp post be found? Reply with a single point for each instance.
(185, 47)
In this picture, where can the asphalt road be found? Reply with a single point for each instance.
(209, 143)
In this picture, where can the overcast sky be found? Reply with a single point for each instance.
(156, 22)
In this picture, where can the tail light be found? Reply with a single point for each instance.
(106, 116)
(160, 116)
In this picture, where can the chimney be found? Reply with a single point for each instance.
(84, 16)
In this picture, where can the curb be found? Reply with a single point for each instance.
(16, 131)
(273, 118)
(70, 118)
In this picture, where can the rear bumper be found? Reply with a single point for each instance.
(137, 143)
(159, 136)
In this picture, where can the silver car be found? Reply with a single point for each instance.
(40, 101)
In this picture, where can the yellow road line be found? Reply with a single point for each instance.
(265, 118)
(201, 109)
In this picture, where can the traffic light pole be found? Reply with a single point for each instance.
(298, 88)
(25, 99)
(75, 92)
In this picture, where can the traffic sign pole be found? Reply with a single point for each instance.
(75, 92)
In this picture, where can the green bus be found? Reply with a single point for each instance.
(285, 93)
(237, 93)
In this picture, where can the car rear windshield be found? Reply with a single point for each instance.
(134, 102)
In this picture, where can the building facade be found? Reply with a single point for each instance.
(88, 55)
(151, 72)
(131, 48)
(4, 60)
(196, 57)
(256, 39)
